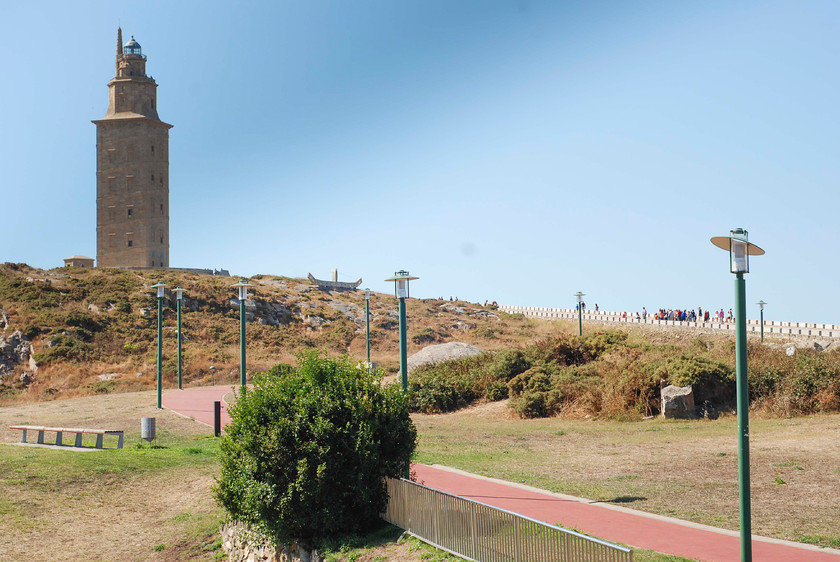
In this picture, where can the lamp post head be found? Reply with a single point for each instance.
(740, 249)
(161, 289)
(401, 280)
(761, 304)
(367, 294)
(243, 285)
(580, 296)
(179, 292)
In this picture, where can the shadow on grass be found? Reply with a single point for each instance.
(626, 499)
(387, 533)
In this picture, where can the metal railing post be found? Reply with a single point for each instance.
(473, 530)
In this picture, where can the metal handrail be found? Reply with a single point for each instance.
(479, 531)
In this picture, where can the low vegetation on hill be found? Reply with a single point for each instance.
(95, 330)
(618, 374)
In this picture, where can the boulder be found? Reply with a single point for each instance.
(440, 353)
(14, 350)
(677, 402)
(351, 311)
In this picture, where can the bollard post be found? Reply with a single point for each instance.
(217, 418)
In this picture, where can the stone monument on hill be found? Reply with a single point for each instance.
(132, 169)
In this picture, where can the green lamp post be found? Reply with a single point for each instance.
(740, 249)
(242, 285)
(367, 325)
(401, 280)
(761, 307)
(179, 296)
(580, 296)
(161, 292)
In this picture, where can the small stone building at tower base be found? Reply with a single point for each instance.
(78, 261)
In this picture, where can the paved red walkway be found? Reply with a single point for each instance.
(197, 403)
(613, 523)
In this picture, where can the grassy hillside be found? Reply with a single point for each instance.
(88, 324)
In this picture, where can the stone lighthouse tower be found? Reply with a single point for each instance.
(132, 169)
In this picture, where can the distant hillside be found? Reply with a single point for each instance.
(96, 330)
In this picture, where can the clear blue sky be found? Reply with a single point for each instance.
(514, 151)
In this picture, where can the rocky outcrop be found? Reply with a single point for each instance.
(314, 322)
(442, 352)
(677, 402)
(273, 313)
(351, 311)
(242, 546)
(15, 350)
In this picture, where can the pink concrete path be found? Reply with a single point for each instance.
(613, 523)
(197, 403)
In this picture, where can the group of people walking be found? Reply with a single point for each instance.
(691, 316)
(677, 315)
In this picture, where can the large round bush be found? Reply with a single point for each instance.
(307, 450)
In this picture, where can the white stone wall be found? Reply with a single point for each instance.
(753, 326)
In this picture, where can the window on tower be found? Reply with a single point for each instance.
(130, 243)
(153, 178)
(130, 212)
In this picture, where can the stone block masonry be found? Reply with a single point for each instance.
(132, 169)
(240, 546)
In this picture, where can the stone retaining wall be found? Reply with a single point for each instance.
(770, 327)
(241, 548)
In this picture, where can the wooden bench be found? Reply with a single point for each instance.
(60, 431)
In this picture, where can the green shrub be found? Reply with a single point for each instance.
(447, 386)
(710, 379)
(281, 370)
(441, 388)
(65, 346)
(306, 453)
(509, 363)
(83, 320)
